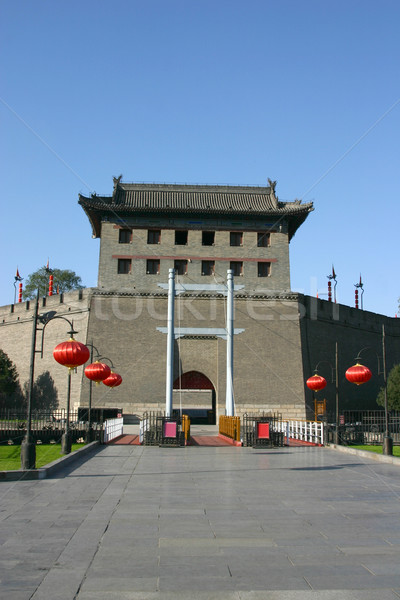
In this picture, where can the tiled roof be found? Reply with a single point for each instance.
(195, 199)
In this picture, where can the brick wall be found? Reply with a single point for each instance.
(139, 251)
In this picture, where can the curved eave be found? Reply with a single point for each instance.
(96, 209)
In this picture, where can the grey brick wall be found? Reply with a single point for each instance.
(138, 251)
(285, 336)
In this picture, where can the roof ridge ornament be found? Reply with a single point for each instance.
(272, 185)
(116, 182)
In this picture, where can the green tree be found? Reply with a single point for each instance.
(10, 389)
(44, 393)
(393, 390)
(63, 279)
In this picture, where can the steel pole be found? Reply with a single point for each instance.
(170, 344)
(387, 447)
(28, 448)
(229, 402)
(66, 437)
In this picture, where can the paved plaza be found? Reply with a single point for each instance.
(140, 523)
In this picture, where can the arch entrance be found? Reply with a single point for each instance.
(195, 395)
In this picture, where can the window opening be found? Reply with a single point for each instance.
(264, 269)
(180, 267)
(263, 240)
(207, 267)
(153, 236)
(124, 266)
(181, 238)
(208, 238)
(236, 238)
(237, 267)
(124, 236)
(153, 266)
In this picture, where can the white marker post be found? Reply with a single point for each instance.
(170, 343)
(229, 403)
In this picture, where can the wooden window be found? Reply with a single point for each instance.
(180, 267)
(237, 267)
(181, 238)
(208, 238)
(153, 236)
(263, 240)
(124, 266)
(236, 238)
(124, 236)
(264, 269)
(207, 267)
(153, 266)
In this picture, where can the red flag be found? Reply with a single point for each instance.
(360, 281)
(333, 273)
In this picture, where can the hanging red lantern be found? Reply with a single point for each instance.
(316, 383)
(97, 371)
(71, 354)
(358, 374)
(113, 380)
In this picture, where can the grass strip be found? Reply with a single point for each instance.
(377, 449)
(10, 456)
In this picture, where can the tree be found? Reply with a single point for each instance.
(10, 390)
(393, 390)
(63, 279)
(44, 393)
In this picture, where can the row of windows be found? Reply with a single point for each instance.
(181, 267)
(207, 237)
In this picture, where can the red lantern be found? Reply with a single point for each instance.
(97, 371)
(71, 354)
(316, 383)
(113, 380)
(358, 374)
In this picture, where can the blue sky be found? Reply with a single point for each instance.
(199, 91)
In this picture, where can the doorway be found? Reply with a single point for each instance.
(195, 396)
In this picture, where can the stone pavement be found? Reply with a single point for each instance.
(203, 523)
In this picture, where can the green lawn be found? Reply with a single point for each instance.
(378, 449)
(10, 456)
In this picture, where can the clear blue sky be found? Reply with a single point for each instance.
(202, 91)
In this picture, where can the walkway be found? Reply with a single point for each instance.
(145, 523)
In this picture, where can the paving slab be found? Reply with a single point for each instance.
(209, 523)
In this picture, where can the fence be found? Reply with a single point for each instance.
(113, 428)
(311, 432)
(364, 427)
(262, 430)
(46, 426)
(158, 430)
(230, 426)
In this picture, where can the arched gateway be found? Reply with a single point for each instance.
(195, 395)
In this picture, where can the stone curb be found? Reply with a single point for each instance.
(49, 469)
(391, 460)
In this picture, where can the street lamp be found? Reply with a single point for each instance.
(359, 374)
(70, 354)
(316, 383)
(97, 371)
(28, 447)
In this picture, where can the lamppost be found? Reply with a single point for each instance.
(360, 374)
(70, 354)
(98, 372)
(316, 383)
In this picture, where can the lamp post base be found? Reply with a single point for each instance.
(387, 447)
(28, 454)
(66, 443)
(89, 435)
